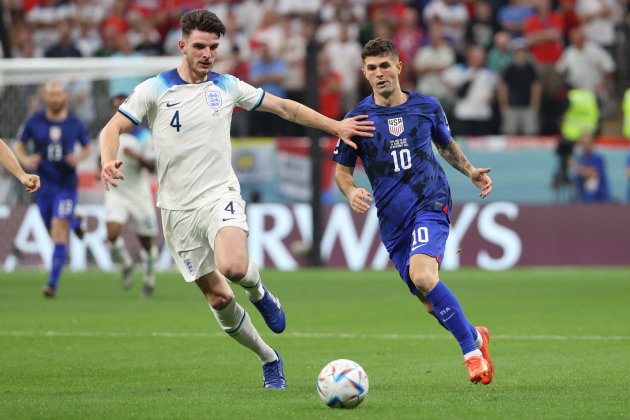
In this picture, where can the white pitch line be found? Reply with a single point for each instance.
(445, 336)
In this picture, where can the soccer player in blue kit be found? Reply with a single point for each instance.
(411, 191)
(54, 132)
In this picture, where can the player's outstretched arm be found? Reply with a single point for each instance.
(9, 161)
(303, 115)
(456, 158)
(108, 143)
(358, 198)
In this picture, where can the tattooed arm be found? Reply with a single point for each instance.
(456, 158)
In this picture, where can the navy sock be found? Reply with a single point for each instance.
(58, 261)
(450, 314)
(473, 330)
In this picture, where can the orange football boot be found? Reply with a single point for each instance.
(479, 370)
(485, 335)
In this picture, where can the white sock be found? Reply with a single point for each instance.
(148, 262)
(236, 323)
(251, 283)
(120, 254)
(472, 353)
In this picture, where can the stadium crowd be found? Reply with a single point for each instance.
(497, 66)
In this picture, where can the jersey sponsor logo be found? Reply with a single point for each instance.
(170, 105)
(214, 100)
(396, 126)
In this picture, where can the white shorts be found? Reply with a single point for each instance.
(190, 234)
(141, 212)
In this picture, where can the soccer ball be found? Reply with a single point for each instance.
(342, 384)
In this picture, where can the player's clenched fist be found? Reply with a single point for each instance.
(110, 172)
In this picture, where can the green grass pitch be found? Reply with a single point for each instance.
(560, 344)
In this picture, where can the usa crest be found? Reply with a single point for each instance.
(396, 126)
(213, 98)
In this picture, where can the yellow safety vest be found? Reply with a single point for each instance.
(582, 114)
(626, 114)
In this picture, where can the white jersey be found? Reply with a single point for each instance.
(190, 126)
(136, 185)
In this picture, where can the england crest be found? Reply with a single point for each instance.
(213, 98)
(396, 126)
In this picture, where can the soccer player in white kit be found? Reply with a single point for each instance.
(189, 111)
(133, 202)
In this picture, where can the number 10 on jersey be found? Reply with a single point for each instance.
(402, 159)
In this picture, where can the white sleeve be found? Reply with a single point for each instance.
(247, 96)
(140, 101)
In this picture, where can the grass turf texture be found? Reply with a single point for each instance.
(560, 340)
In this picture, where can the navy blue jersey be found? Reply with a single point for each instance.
(53, 140)
(404, 174)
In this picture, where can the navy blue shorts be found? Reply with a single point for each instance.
(56, 203)
(428, 236)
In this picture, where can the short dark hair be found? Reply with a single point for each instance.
(201, 20)
(379, 46)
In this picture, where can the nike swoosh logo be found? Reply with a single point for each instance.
(417, 246)
(228, 218)
(169, 105)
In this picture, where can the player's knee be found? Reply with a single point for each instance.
(424, 280)
(234, 270)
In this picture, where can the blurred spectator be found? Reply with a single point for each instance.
(519, 96)
(513, 15)
(329, 88)
(590, 173)
(250, 13)
(24, 47)
(268, 33)
(475, 88)
(581, 116)
(117, 17)
(501, 54)
(65, 47)
(481, 27)
(343, 55)
(44, 18)
(408, 38)
(569, 16)
(125, 51)
(598, 20)
(303, 9)
(268, 71)
(145, 38)
(453, 15)
(379, 25)
(586, 65)
(628, 176)
(429, 64)
(293, 52)
(544, 35)
(110, 42)
(86, 38)
(239, 68)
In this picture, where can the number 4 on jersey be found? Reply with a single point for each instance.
(175, 121)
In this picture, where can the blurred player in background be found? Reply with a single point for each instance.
(10, 162)
(189, 110)
(54, 133)
(411, 191)
(134, 201)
